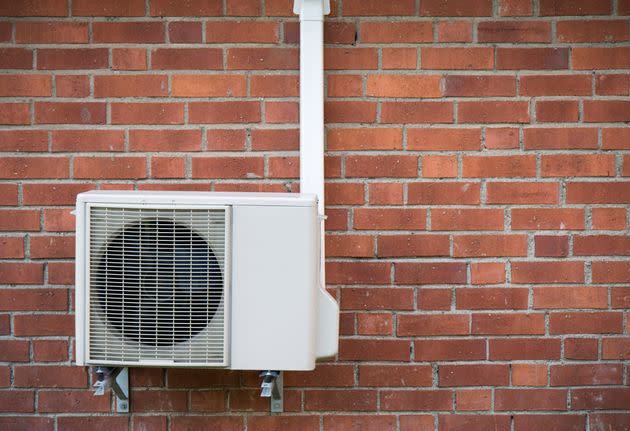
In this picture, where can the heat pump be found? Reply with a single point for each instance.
(195, 279)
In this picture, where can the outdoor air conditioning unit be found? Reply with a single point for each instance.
(195, 279)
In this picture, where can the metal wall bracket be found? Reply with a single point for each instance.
(120, 386)
(272, 387)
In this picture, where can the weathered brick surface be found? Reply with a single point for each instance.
(477, 190)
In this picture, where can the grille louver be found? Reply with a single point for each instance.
(156, 284)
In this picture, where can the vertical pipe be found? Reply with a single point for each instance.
(312, 148)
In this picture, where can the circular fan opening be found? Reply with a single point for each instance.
(158, 282)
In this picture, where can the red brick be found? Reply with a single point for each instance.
(585, 323)
(241, 32)
(581, 348)
(70, 112)
(456, 8)
(608, 421)
(431, 273)
(416, 86)
(224, 140)
(577, 7)
(261, 423)
(489, 245)
(19, 220)
(396, 32)
(108, 8)
(522, 193)
(514, 31)
(479, 85)
(498, 423)
(15, 113)
(201, 378)
(184, 423)
(601, 245)
(25, 85)
(487, 273)
(501, 138)
(557, 111)
(547, 272)
(555, 85)
(342, 139)
(612, 85)
(188, 8)
(11, 248)
(606, 111)
(261, 58)
(357, 273)
(67, 59)
(395, 375)
(6, 31)
(274, 85)
(450, 350)
(498, 166)
(168, 167)
(23, 140)
(16, 58)
(444, 139)
(33, 423)
(551, 246)
(14, 351)
(340, 85)
(389, 219)
(550, 422)
(43, 324)
(34, 299)
(275, 139)
(186, 58)
(530, 399)
(560, 138)
(529, 375)
(439, 166)
(17, 401)
(416, 400)
(592, 31)
(399, 58)
(491, 298)
(349, 246)
(208, 86)
(473, 399)
(184, 32)
(72, 85)
(333, 375)
(432, 325)
(77, 401)
(382, 166)
(434, 299)
(374, 350)
(340, 400)
(50, 350)
(509, 349)
(163, 401)
(147, 113)
(87, 140)
(493, 112)
(413, 245)
(21, 273)
(473, 375)
(597, 192)
(129, 59)
(600, 398)
(350, 58)
(378, 8)
(349, 112)
(53, 193)
(600, 58)
(207, 401)
(455, 31)
(224, 112)
(623, 7)
(611, 272)
(417, 112)
(157, 423)
(547, 218)
(508, 324)
(444, 193)
(41, 377)
(457, 58)
(128, 32)
(620, 297)
(360, 423)
(591, 374)
(376, 299)
(226, 167)
(532, 58)
(110, 167)
(466, 219)
(131, 86)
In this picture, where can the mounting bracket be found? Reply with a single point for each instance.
(120, 386)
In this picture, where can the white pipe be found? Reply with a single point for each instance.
(312, 148)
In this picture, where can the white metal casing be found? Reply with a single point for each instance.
(272, 275)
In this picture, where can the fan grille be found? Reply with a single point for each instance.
(157, 285)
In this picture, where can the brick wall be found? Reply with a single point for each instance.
(477, 164)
